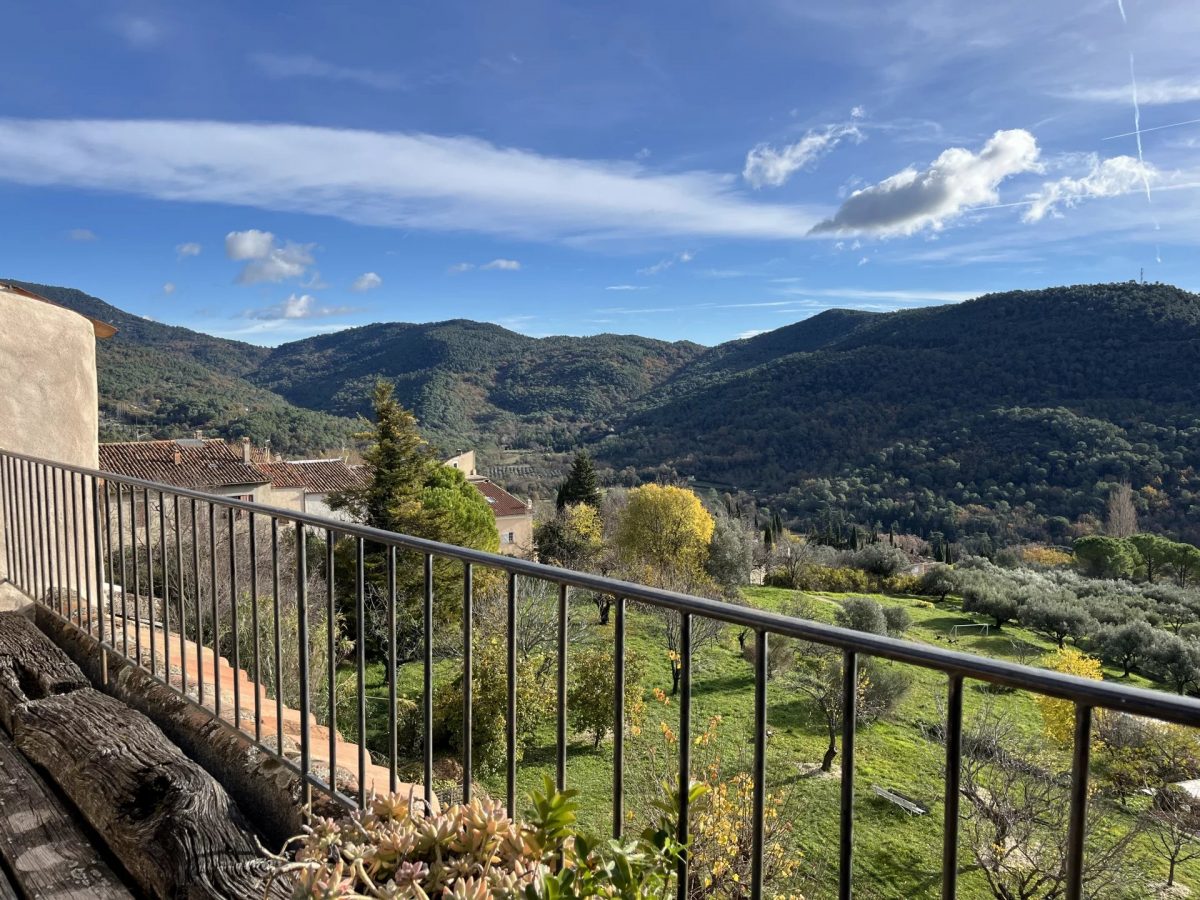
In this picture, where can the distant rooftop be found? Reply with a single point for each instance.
(189, 462)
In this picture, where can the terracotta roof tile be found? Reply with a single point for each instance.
(316, 476)
(196, 464)
(501, 501)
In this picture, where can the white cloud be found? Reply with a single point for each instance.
(767, 166)
(191, 248)
(504, 265)
(251, 244)
(280, 65)
(685, 256)
(390, 179)
(858, 112)
(954, 183)
(459, 268)
(626, 287)
(754, 332)
(297, 306)
(81, 234)
(1160, 92)
(169, 288)
(266, 260)
(367, 281)
(1107, 178)
(138, 31)
(900, 296)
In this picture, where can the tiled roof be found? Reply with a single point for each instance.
(316, 476)
(282, 474)
(501, 501)
(193, 464)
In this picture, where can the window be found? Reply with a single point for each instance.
(508, 538)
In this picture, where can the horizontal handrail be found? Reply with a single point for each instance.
(1125, 698)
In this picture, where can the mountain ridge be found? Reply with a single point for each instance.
(998, 415)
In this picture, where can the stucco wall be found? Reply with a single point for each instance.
(48, 394)
(521, 529)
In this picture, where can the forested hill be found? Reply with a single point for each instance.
(473, 383)
(1010, 414)
(164, 381)
(1002, 413)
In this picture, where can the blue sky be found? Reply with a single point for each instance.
(680, 170)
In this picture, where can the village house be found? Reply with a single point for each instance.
(514, 517)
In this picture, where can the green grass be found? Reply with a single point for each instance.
(896, 855)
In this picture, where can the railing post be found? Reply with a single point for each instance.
(393, 662)
(427, 627)
(1077, 824)
(360, 659)
(561, 733)
(331, 718)
(685, 746)
(99, 579)
(953, 735)
(618, 800)
(510, 723)
(759, 774)
(849, 717)
(302, 640)
(467, 613)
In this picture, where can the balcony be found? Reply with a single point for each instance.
(212, 616)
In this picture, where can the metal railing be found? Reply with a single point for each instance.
(59, 522)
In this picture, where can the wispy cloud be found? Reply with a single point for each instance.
(496, 265)
(1159, 92)
(958, 180)
(266, 260)
(169, 288)
(627, 287)
(391, 179)
(367, 281)
(918, 295)
(684, 256)
(768, 166)
(82, 234)
(137, 31)
(191, 248)
(297, 306)
(753, 332)
(1107, 178)
(286, 65)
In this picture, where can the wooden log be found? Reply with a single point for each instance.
(31, 666)
(42, 843)
(174, 828)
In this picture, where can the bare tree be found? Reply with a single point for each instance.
(1014, 819)
(1122, 520)
(1174, 826)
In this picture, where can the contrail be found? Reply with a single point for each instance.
(1121, 7)
(1155, 128)
(1137, 130)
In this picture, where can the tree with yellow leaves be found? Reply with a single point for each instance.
(664, 533)
(1058, 716)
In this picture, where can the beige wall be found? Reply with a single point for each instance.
(521, 529)
(48, 394)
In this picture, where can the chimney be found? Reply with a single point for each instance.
(199, 434)
(178, 457)
(246, 450)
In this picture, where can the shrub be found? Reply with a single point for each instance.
(490, 706)
(862, 614)
(901, 584)
(881, 560)
(590, 699)
(898, 620)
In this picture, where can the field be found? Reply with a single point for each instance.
(897, 855)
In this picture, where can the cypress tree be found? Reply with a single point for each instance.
(581, 485)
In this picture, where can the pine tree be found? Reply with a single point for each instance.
(400, 462)
(581, 485)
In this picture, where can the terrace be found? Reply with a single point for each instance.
(158, 616)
